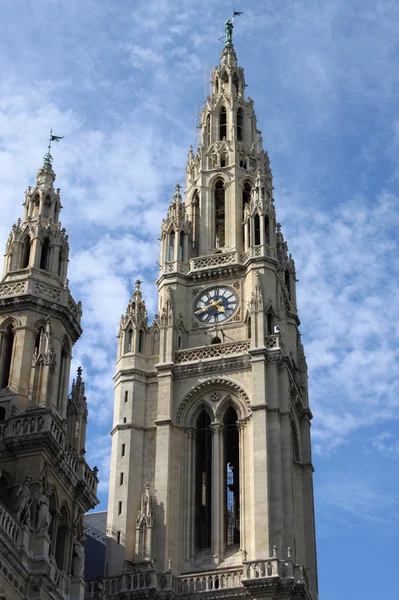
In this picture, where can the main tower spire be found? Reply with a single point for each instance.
(211, 409)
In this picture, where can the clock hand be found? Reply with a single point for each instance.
(210, 305)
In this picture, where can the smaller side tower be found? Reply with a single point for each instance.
(46, 485)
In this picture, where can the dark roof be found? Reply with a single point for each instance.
(95, 527)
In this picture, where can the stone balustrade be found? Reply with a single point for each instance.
(211, 580)
(54, 293)
(43, 423)
(8, 526)
(128, 582)
(232, 577)
(212, 351)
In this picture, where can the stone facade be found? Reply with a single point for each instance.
(46, 485)
(211, 472)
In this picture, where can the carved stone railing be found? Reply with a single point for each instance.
(130, 582)
(215, 260)
(24, 426)
(247, 575)
(211, 580)
(13, 288)
(57, 577)
(8, 526)
(274, 567)
(53, 293)
(212, 351)
(272, 342)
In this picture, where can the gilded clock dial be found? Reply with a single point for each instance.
(215, 305)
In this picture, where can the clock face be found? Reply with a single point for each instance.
(215, 305)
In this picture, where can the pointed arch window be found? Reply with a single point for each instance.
(7, 343)
(47, 207)
(240, 125)
(267, 229)
(195, 203)
(208, 130)
(172, 245)
(219, 214)
(38, 338)
(63, 372)
(257, 230)
(155, 342)
(222, 123)
(287, 282)
(129, 340)
(269, 323)
(203, 482)
(62, 542)
(25, 252)
(45, 255)
(141, 341)
(246, 196)
(235, 83)
(249, 328)
(232, 477)
(181, 246)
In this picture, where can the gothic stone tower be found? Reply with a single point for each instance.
(211, 473)
(46, 486)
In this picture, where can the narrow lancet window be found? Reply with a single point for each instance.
(7, 349)
(129, 340)
(208, 130)
(269, 323)
(287, 283)
(232, 478)
(141, 341)
(181, 246)
(257, 230)
(246, 196)
(203, 482)
(25, 253)
(267, 229)
(240, 125)
(45, 256)
(172, 245)
(219, 214)
(195, 220)
(222, 123)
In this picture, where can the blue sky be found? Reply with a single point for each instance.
(120, 80)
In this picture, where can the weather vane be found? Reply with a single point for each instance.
(48, 159)
(228, 37)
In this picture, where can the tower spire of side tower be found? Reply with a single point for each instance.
(45, 483)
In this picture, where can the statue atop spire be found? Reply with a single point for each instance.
(229, 34)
